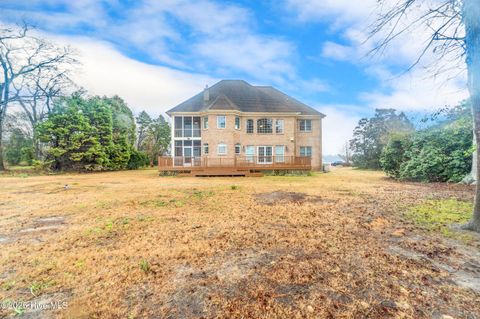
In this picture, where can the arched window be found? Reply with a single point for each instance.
(264, 126)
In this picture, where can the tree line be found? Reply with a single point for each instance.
(54, 125)
(440, 152)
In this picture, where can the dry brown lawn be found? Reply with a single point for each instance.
(136, 245)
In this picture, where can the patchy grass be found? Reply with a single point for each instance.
(133, 244)
(439, 216)
(144, 265)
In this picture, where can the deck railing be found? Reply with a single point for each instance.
(237, 162)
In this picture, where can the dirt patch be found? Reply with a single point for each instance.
(278, 197)
(33, 232)
(44, 224)
(223, 276)
(4, 239)
(464, 269)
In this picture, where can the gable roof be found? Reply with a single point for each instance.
(244, 97)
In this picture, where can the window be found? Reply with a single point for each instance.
(222, 149)
(305, 125)
(221, 121)
(306, 151)
(237, 123)
(238, 148)
(265, 155)
(279, 126)
(250, 153)
(205, 148)
(279, 154)
(250, 126)
(264, 126)
(205, 122)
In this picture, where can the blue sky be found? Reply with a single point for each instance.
(156, 53)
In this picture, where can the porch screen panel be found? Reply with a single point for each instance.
(178, 126)
(178, 148)
(197, 149)
(187, 126)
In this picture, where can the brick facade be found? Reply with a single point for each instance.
(292, 138)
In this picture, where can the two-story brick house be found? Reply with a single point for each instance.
(234, 119)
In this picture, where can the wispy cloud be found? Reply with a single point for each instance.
(189, 35)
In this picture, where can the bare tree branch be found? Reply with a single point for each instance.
(33, 73)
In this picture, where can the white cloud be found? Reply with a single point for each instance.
(418, 90)
(340, 12)
(155, 89)
(337, 126)
(190, 35)
(255, 56)
(337, 51)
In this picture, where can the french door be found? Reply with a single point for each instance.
(265, 154)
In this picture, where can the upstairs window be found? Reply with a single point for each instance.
(264, 126)
(221, 121)
(237, 123)
(305, 125)
(279, 126)
(250, 126)
(306, 151)
(205, 122)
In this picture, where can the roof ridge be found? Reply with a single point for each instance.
(242, 96)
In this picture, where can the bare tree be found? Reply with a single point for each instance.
(40, 89)
(22, 56)
(453, 27)
(346, 154)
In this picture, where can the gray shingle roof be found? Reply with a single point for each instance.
(240, 95)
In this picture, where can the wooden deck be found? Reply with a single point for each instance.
(231, 166)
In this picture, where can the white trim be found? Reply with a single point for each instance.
(218, 149)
